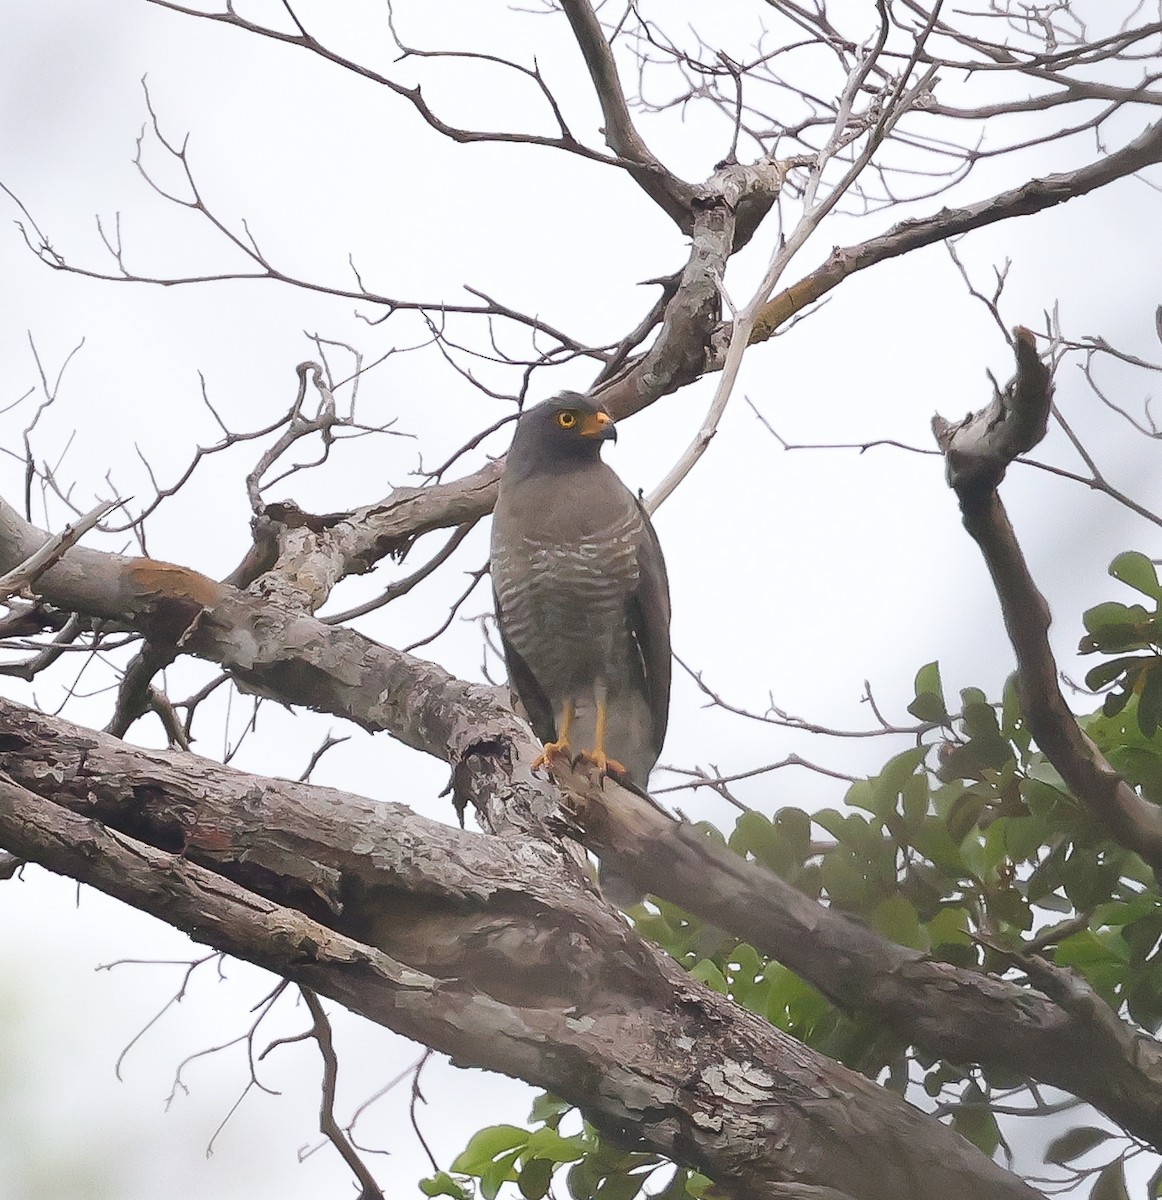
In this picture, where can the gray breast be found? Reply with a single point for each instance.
(564, 605)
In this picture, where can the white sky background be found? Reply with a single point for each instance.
(800, 574)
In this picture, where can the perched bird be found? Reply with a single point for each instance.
(582, 600)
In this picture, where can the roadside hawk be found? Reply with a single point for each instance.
(582, 600)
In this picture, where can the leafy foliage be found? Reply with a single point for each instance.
(1114, 628)
(529, 1158)
(965, 846)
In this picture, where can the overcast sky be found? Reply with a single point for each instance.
(795, 575)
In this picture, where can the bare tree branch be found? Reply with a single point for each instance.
(24, 576)
(328, 1125)
(1034, 196)
(674, 196)
(978, 451)
(952, 1012)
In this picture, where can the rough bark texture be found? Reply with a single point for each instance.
(484, 948)
(1060, 1032)
(947, 1011)
(498, 950)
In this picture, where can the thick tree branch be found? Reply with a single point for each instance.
(1069, 1039)
(20, 579)
(691, 343)
(484, 948)
(332, 546)
(977, 452)
(273, 650)
(682, 348)
(1064, 1035)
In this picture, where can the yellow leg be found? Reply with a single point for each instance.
(603, 762)
(561, 745)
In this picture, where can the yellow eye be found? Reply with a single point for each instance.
(567, 419)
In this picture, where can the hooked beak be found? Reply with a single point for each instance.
(600, 426)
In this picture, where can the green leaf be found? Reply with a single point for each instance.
(844, 879)
(1046, 876)
(928, 679)
(915, 794)
(621, 1187)
(1115, 628)
(1111, 1183)
(782, 844)
(1105, 673)
(862, 794)
(795, 826)
(1154, 1187)
(932, 840)
(1073, 1143)
(929, 704)
(1137, 571)
(949, 927)
(1024, 836)
(832, 821)
(1145, 1002)
(896, 918)
(582, 1179)
(944, 1073)
(484, 1146)
(1013, 724)
(1103, 960)
(705, 971)
(1088, 878)
(498, 1173)
(890, 782)
(1150, 700)
(930, 708)
(548, 1109)
(964, 814)
(1011, 907)
(549, 1144)
(976, 1122)
(442, 1184)
(535, 1178)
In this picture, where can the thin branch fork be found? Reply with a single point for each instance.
(674, 196)
(328, 1125)
(1030, 197)
(977, 451)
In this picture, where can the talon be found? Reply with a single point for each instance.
(553, 750)
(604, 764)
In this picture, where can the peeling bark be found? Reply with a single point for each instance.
(947, 1011)
(486, 949)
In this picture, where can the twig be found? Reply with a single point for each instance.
(328, 1126)
(814, 211)
(417, 1098)
(328, 743)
